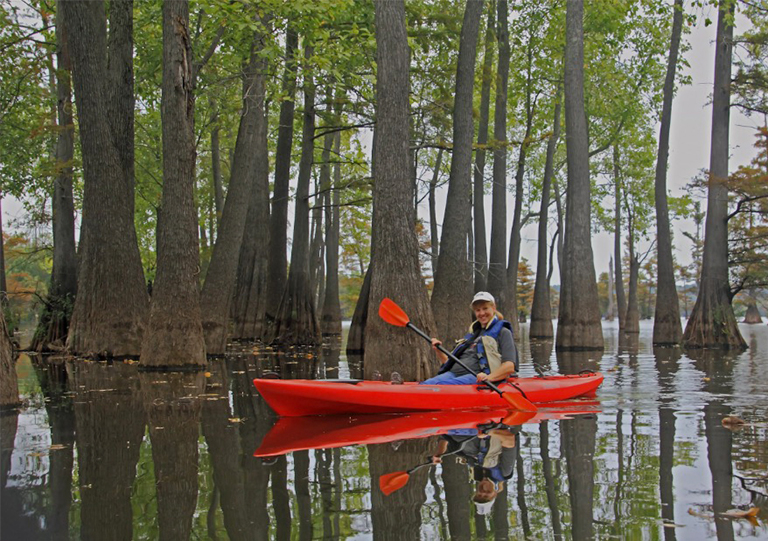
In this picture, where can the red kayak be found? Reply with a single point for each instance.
(291, 434)
(290, 398)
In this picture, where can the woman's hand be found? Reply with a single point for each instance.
(481, 377)
(437, 460)
(435, 343)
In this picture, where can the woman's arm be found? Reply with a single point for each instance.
(442, 357)
(506, 368)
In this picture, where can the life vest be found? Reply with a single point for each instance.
(487, 344)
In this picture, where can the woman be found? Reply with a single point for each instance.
(488, 349)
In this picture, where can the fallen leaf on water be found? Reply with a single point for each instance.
(58, 446)
(207, 374)
(740, 513)
(707, 379)
(235, 420)
(732, 422)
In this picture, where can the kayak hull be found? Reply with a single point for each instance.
(291, 434)
(290, 398)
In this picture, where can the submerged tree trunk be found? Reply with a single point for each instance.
(712, 322)
(54, 321)
(621, 299)
(216, 298)
(174, 336)
(111, 307)
(453, 281)
(434, 235)
(330, 318)
(517, 225)
(296, 321)
(753, 314)
(579, 318)
(356, 336)
(481, 253)
(251, 284)
(632, 319)
(277, 265)
(667, 329)
(541, 311)
(610, 312)
(497, 268)
(395, 271)
(9, 383)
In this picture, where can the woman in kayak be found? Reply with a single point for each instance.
(488, 348)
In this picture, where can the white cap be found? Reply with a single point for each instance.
(484, 508)
(482, 296)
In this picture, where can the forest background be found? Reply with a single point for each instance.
(334, 73)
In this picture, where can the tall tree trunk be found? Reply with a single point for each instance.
(216, 298)
(541, 311)
(54, 321)
(251, 284)
(515, 237)
(330, 319)
(296, 321)
(579, 318)
(497, 269)
(667, 329)
(109, 313)
(9, 383)
(174, 336)
(621, 299)
(322, 199)
(277, 266)
(481, 253)
(610, 312)
(453, 281)
(434, 235)
(356, 336)
(632, 318)
(753, 314)
(218, 186)
(395, 271)
(712, 322)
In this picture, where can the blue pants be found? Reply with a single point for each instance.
(449, 378)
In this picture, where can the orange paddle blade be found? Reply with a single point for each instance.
(515, 418)
(390, 482)
(392, 313)
(518, 401)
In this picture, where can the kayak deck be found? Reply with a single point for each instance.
(323, 397)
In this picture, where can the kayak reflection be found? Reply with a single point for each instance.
(291, 434)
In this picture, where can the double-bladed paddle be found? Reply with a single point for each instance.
(394, 315)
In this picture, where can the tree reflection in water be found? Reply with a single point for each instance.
(76, 463)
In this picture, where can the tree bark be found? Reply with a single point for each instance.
(175, 333)
(356, 336)
(296, 321)
(579, 317)
(667, 329)
(216, 299)
(515, 237)
(9, 383)
(497, 269)
(753, 314)
(481, 253)
(54, 320)
(541, 311)
(632, 319)
(109, 313)
(330, 319)
(277, 266)
(251, 284)
(218, 186)
(712, 323)
(434, 235)
(453, 281)
(621, 299)
(395, 271)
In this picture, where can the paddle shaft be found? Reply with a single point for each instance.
(451, 356)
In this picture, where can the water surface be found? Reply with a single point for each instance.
(102, 451)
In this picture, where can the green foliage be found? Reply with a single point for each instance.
(27, 270)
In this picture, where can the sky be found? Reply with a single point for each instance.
(689, 151)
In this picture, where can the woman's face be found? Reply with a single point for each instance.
(484, 312)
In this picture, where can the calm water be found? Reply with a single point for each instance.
(101, 451)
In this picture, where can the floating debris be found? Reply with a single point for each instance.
(752, 512)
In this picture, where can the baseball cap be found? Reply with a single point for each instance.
(483, 296)
(484, 508)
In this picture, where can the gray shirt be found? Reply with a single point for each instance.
(471, 358)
